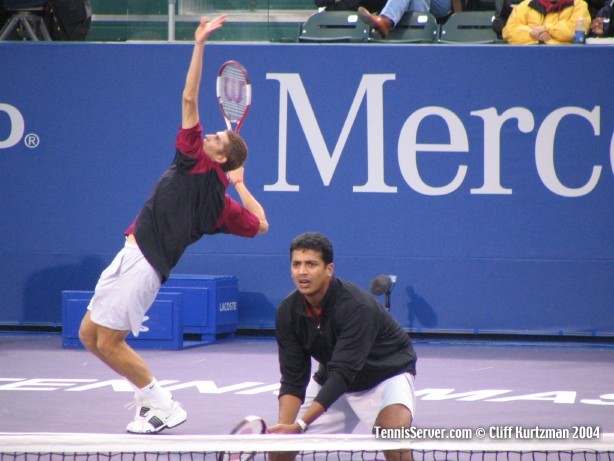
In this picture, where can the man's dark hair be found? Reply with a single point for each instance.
(316, 242)
(236, 154)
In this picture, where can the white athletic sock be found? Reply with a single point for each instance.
(157, 395)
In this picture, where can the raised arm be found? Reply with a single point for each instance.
(189, 106)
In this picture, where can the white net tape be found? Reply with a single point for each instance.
(65, 443)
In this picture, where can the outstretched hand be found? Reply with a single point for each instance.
(206, 27)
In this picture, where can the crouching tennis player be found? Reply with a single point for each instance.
(366, 360)
(188, 202)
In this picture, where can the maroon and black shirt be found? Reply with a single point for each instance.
(187, 202)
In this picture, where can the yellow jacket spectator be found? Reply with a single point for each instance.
(545, 21)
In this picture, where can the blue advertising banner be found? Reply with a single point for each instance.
(481, 176)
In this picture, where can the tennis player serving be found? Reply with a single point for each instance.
(188, 201)
(366, 360)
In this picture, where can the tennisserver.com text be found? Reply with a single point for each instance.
(493, 432)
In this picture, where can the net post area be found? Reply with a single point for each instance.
(128, 447)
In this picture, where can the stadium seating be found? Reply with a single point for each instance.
(469, 27)
(334, 27)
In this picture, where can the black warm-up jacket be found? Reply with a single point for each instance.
(357, 343)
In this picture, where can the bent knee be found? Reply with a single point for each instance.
(394, 416)
(109, 342)
(86, 338)
(87, 333)
(105, 347)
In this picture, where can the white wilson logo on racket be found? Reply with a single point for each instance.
(233, 90)
(234, 94)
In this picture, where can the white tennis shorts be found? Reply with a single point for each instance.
(352, 408)
(125, 291)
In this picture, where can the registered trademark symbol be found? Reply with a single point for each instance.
(31, 140)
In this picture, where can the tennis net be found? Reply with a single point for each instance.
(125, 447)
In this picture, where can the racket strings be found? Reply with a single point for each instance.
(252, 427)
(233, 93)
(248, 426)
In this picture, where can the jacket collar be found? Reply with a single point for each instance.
(546, 6)
(327, 300)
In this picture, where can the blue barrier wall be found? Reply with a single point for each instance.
(481, 176)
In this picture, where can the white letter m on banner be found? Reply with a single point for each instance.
(370, 86)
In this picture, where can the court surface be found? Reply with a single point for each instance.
(460, 384)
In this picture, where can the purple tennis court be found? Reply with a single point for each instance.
(460, 384)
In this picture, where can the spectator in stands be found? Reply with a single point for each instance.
(367, 361)
(594, 6)
(545, 21)
(393, 10)
(350, 5)
(602, 24)
(188, 202)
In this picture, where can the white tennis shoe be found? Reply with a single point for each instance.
(149, 419)
(141, 406)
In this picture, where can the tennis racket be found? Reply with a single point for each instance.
(234, 94)
(248, 425)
